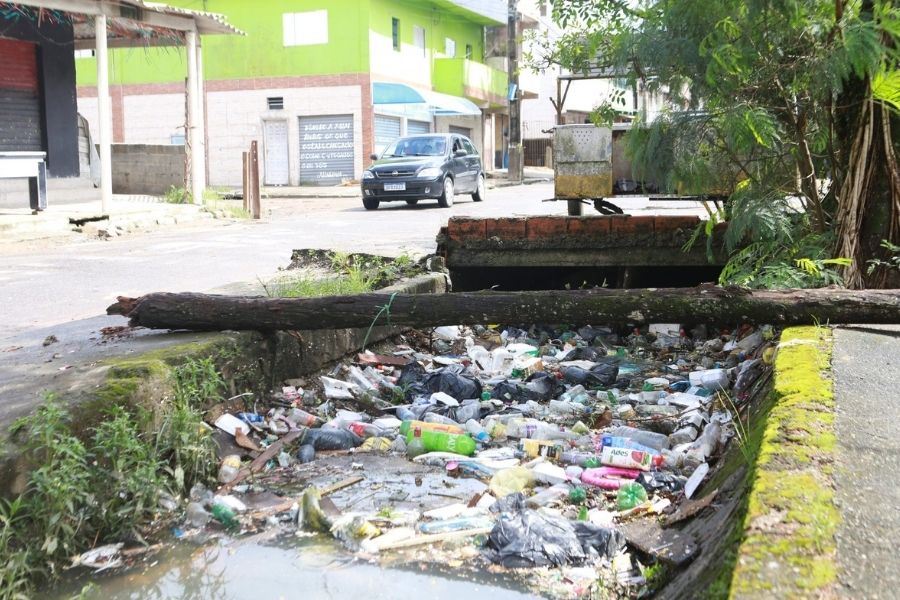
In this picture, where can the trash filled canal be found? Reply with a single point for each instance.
(484, 460)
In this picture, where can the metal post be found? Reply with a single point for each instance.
(515, 106)
(255, 205)
(104, 108)
(195, 145)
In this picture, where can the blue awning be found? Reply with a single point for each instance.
(436, 103)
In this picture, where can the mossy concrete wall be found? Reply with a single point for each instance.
(788, 549)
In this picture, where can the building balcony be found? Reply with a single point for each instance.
(469, 79)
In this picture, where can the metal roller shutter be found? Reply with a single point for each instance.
(387, 129)
(415, 127)
(466, 131)
(20, 103)
(326, 149)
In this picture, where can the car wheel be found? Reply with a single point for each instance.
(412, 202)
(478, 196)
(446, 199)
(371, 203)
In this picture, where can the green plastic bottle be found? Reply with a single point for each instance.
(631, 494)
(407, 426)
(225, 516)
(439, 441)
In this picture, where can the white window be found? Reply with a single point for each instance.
(305, 28)
(84, 53)
(450, 48)
(419, 39)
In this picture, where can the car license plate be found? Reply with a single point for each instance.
(395, 187)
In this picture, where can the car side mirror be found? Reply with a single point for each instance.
(373, 156)
(460, 152)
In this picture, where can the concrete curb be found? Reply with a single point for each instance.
(788, 545)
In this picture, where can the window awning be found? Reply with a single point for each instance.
(436, 103)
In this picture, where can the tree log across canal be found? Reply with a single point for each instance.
(712, 304)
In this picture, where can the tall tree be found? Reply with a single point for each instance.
(776, 100)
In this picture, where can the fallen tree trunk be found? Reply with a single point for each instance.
(204, 312)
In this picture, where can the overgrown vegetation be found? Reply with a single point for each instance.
(353, 274)
(212, 202)
(790, 108)
(107, 486)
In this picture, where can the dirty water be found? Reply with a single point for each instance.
(283, 567)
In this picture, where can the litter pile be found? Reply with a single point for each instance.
(563, 453)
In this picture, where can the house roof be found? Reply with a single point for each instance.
(132, 22)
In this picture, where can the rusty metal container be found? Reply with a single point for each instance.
(582, 162)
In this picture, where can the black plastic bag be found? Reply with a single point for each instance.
(522, 537)
(411, 377)
(509, 392)
(596, 540)
(661, 482)
(306, 453)
(600, 375)
(545, 385)
(583, 353)
(330, 439)
(454, 381)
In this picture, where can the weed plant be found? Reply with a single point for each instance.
(106, 487)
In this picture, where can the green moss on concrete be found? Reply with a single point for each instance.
(788, 544)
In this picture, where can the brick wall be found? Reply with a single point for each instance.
(147, 169)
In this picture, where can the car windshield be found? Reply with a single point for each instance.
(417, 146)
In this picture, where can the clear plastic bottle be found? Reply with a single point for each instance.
(568, 409)
(688, 428)
(549, 495)
(537, 430)
(656, 441)
(415, 446)
(197, 516)
(303, 418)
(366, 430)
(229, 468)
(701, 449)
(440, 419)
(478, 432)
(502, 362)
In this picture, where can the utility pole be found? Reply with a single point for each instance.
(516, 162)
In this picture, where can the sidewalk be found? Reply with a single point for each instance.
(127, 213)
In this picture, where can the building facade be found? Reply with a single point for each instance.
(320, 84)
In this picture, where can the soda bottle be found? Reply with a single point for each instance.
(439, 441)
(408, 426)
(365, 430)
(415, 446)
(630, 494)
(303, 418)
(225, 516)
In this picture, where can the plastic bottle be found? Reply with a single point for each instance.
(229, 468)
(480, 357)
(502, 362)
(688, 428)
(570, 409)
(440, 419)
(439, 441)
(630, 495)
(537, 430)
(415, 446)
(577, 457)
(303, 418)
(711, 379)
(576, 393)
(197, 515)
(621, 442)
(408, 426)
(225, 516)
(657, 441)
(366, 430)
(470, 409)
(478, 432)
(701, 449)
(343, 419)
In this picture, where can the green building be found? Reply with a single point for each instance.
(321, 84)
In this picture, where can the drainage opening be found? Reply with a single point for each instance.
(472, 279)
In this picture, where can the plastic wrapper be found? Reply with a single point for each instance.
(507, 391)
(376, 444)
(511, 481)
(522, 537)
(331, 439)
(584, 353)
(545, 385)
(661, 482)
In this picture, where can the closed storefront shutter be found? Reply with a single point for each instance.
(461, 131)
(414, 127)
(326, 149)
(387, 129)
(20, 106)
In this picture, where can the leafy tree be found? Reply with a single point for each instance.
(772, 99)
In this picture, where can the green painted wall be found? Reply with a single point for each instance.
(439, 23)
(260, 53)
